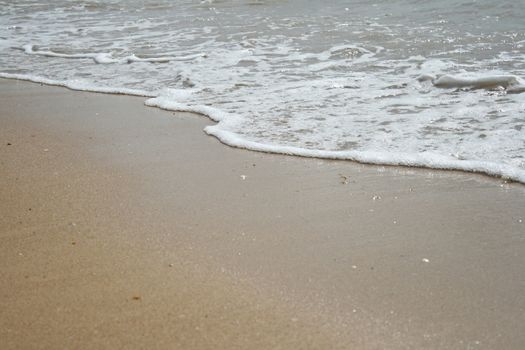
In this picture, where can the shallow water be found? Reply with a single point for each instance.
(336, 80)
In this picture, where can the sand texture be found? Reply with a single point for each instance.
(123, 226)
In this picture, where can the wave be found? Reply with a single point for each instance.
(168, 99)
(162, 59)
(107, 57)
(509, 83)
(97, 57)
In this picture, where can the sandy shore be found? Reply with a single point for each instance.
(124, 226)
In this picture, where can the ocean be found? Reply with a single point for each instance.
(437, 84)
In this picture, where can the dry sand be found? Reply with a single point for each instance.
(124, 226)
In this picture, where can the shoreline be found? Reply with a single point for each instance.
(429, 161)
(128, 226)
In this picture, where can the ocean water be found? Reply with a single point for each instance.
(357, 80)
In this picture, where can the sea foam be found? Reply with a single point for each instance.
(78, 85)
(166, 100)
(102, 57)
(314, 80)
(107, 57)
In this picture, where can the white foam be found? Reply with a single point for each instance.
(104, 58)
(341, 84)
(165, 100)
(97, 57)
(76, 84)
(133, 58)
(426, 160)
(163, 59)
(107, 57)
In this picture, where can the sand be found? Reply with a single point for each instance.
(124, 226)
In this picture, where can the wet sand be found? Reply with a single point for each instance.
(124, 226)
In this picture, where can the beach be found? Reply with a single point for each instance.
(125, 226)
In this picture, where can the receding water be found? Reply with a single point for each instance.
(335, 79)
